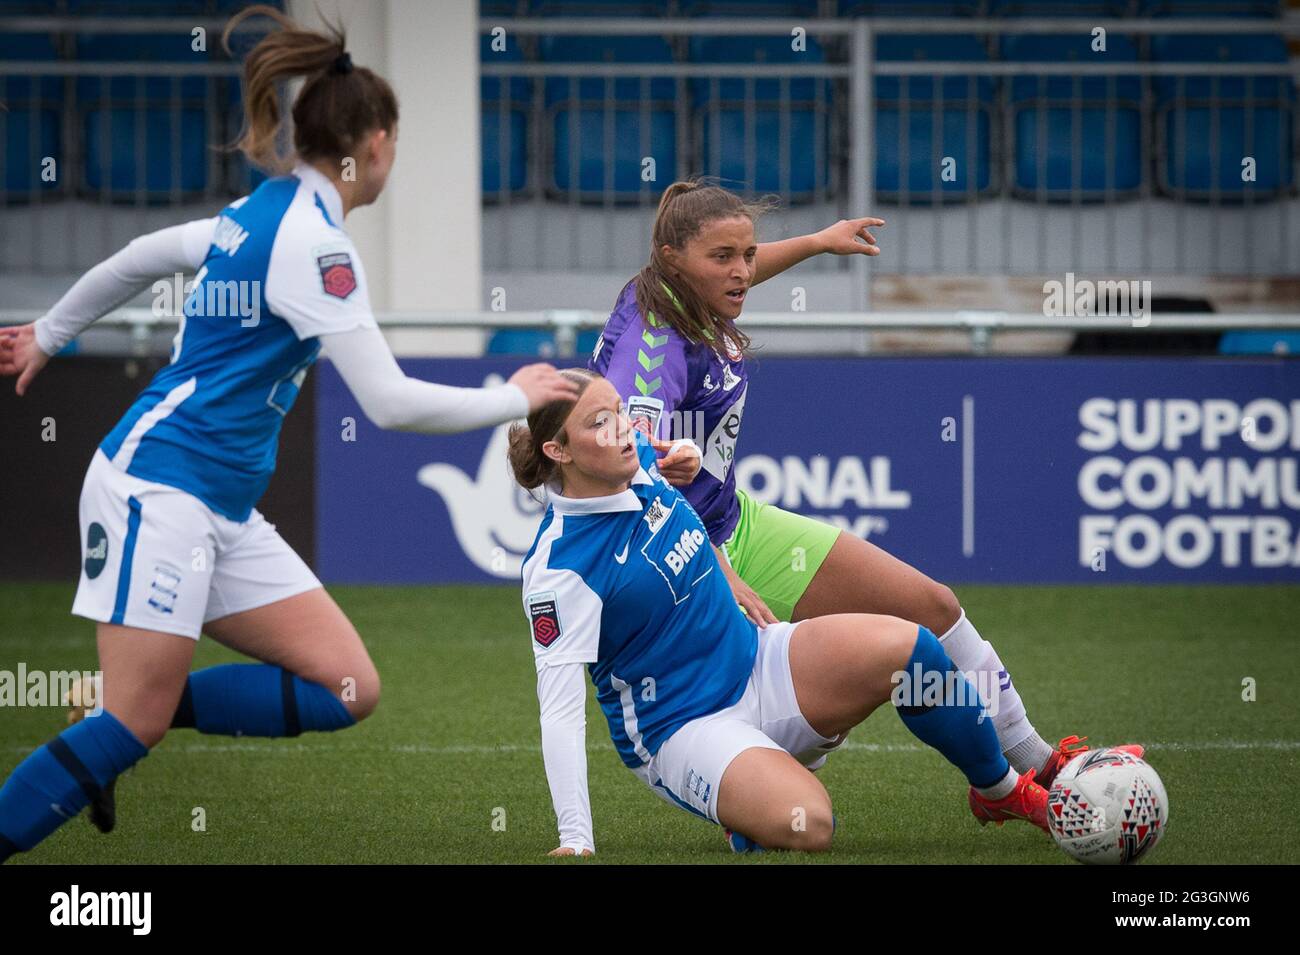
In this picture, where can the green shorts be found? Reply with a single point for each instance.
(777, 552)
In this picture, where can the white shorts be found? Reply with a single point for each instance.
(158, 558)
(687, 770)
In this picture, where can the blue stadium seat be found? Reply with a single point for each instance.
(1087, 149)
(29, 125)
(1058, 8)
(1209, 8)
(530, 341)
(791, 147)
(1207, 125)
(149, 130)
(1263, 342)
(599, 8)
(592, 119)
(502, 8)
(504, 121)
(750, 8)
(138, 8)
(907, 8)
(922, 119)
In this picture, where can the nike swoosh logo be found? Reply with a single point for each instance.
(623, 556)
(60, 810)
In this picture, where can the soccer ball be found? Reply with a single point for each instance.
(1107, 807)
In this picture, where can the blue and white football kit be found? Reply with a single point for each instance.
(168, 520)
(172, 535)
(629, 586)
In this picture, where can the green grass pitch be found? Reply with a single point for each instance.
(449, 768)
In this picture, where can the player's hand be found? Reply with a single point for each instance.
(851, 237)
(20, 355)
(543, 384)
(567, 851)
(677, 467)
(749, 601)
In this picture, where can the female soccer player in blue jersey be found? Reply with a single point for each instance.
(715, 715)
(673, 350)
(174, 544)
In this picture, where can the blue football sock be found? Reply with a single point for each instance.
(944, 710)
(257, 699)
(60, 779)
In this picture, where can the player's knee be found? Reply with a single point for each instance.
(816, 830)
(942, 609)
(365, 696)
(149, 730)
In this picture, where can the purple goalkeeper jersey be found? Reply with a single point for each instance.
(682, 390)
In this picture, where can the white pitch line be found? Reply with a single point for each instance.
(274, 747)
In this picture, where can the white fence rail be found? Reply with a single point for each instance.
(565, 323)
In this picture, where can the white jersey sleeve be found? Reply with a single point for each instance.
(314, 279)
(562, 694)
(121, 277)
(563, 611)
(392, 399)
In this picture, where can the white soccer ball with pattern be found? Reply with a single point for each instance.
(1107, 807)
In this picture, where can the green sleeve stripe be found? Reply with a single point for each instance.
(648, 363)
(654, 341)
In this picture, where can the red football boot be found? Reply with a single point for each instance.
(1071, 747)
(1027, 801)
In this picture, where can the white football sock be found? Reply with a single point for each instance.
(1002, 789)
(1020, 742)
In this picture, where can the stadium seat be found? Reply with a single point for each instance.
(502, 8)
(1206, 126)
(144, 135)
(532, 341)
(1058, 8)
(1091, 152)
(750, 8)
(142, 8)
(599, 8)
(1209, 8)
(947, 116)
(1262, 342)
(504, 121)
(592, 119)
(29, 124)
(788, 131)
(907, 8)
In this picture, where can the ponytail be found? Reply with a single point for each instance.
(337, 107)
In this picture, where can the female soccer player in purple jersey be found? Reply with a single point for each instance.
(715, 715)
(673, 350)
(174, 543)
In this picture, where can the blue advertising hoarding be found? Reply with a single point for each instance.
(1026, 470)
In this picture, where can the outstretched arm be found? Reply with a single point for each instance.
(561, 691)
(121, 277)
(846, 237)
(393, 400)
(24, 349)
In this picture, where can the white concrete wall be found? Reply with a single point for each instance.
(421, 241)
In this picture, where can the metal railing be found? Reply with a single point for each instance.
(957, 220)
(1003, 226)
(980, 326)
